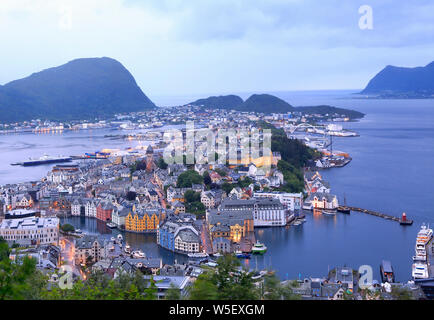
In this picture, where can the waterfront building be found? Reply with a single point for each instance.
(232, 225)
(179, 237)
(104, 211)
(320, 200)
(143, 220)
(118, 216)
(21, 213)
(292, 201)
(30, 231)
(266, 212)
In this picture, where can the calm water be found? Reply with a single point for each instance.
(392, 171)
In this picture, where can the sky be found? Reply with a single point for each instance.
(175, 47)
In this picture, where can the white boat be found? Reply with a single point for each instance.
(329, 212)
(424, 235)
(259, 248)
(217, 255)
(197, 255)
(420, 271)
(78, 231)
(138, 254)
(112, 239)
(127, 248)
(120, 238)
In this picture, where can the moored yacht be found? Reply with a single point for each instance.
(138, 254)
(120, 238)
(127, 248)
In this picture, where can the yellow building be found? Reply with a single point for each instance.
(143, 221)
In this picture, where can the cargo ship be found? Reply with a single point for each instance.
(97, 155)
(45, 159)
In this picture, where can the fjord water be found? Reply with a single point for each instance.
(392, 171)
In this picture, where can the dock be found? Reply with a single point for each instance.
(381, 215)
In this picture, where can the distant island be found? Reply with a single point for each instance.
(267, 104)
(80, 89)
(400, 82)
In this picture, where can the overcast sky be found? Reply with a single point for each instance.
(176, 47)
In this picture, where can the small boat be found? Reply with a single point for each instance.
(242, 255)
(78, 231)
(386, 270)
(112, 239)
(127, 248)
(138, 254)
(197, 255)
(120, 238)
(111, 225)
(344, 209)
(329, 212)
(217, 255)
(259, 248)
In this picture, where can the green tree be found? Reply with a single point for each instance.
(191, 196)
(206, 178)
(188, 178)
(227, 282)
(227, 187)
(67, 227)
(173, 293)
(162, 164)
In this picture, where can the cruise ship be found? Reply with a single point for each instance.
(45, 159)
(420, 267)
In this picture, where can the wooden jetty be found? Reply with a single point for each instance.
(403, 220)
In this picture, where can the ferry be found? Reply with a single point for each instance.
(45, 159)
(387, 274)
(259, 248)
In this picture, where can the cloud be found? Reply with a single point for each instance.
(188, 46)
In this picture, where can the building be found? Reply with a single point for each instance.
(30, 231)
(179, 237)
(143, 220)
(164, 283)
(231, 225)
(89, 249)
(266, 212)
(104, 211)
(320, 200)
(292, 201)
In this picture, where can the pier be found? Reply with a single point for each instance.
(382, 215)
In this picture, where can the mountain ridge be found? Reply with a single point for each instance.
(80, 88)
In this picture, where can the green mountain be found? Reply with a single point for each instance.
(266, 103)
(399, 81)
(82, 88)
(325, 109)
(229, 102)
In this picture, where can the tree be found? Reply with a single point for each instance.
(206, 178)
(227, 282)
(191, 196)
(188, 178)
(17, 276)
(67, 227)
(173, 293)
(162, 164)
(227, 187)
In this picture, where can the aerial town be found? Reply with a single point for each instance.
(199, 211)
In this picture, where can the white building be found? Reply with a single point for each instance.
(292, 201)
(31, 231)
